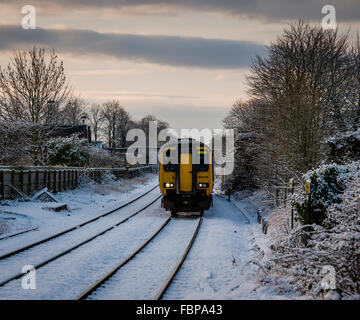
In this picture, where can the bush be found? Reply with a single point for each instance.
(15, 142)
(69, 151)
(327, 184)
(99, 158)
(344, 147)
(335, 244)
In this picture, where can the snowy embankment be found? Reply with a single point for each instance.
(85, 202)
(318, 261)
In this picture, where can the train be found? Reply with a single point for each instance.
(186, 176)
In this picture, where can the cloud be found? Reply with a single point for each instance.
(347, 10)
(185, 116)
(163, 50)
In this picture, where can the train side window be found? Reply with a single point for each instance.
(204, 162)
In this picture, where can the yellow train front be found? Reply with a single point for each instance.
(186, 176)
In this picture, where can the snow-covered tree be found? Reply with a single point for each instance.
(32, 90)
(15, 141)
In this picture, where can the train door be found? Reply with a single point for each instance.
(185, 172)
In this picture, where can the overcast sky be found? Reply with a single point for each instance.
(183, 61)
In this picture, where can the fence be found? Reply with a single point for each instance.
(29, 180)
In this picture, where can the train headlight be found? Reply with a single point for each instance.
(203, 185)
(168, 185)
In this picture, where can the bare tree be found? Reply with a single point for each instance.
(33, 89)
(303, 91)
(144, 124)
(73, 110)
(96, 118)
(116, 123)
(303, 83)
(354, 88)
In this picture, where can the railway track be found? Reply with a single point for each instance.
(12, 235)
(36, 243)
(68, 250)
(235, 206)
(92, 289)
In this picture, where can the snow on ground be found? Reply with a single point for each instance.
(219, 263)
(36, 255)
(143, 277)
(68, 276)
(84, 203)
(227, 260)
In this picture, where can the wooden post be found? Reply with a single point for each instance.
(55, 181)
(2, 181)
(308, 191)
(12, 178)
(29, 182)
(44, 180)
(60, 180)
(21, 178)
(259, 215)
(37, 180)
(49, 179)
(291, 183)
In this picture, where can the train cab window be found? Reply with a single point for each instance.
(204, 161)
(169, 167)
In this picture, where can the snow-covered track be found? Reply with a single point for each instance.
(107, 276)
(33, 244)
(92, 289)
(45, 262)
(180, 262)
(17, 234)
(235, 206)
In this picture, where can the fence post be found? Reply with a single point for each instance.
(21, 178)
(72, 179)
(308, 191)
(29, 182)
(44, 181)
(49, 179)
(55, 181)
(60, 180)
(12, 178)
(265, 225)
(259, 215)
(291, 183)
(37, 180)
(2, 180)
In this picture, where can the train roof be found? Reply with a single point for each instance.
(183, 142)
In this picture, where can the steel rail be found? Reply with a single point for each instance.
(19, 275)
(31, 245)
(108, 275)
(234, 205)
(179, 264)
(17, 234)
